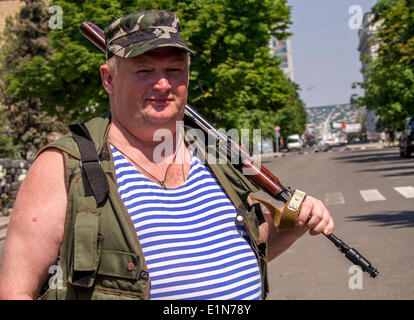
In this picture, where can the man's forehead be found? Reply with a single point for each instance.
(170, 54)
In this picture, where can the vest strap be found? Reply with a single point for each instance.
(94, 178)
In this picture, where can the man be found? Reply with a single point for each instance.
(175, 228)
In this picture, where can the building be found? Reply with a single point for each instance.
(331, 121)
(366, 48)
(282, 49)
(8, 8)
(365, 36)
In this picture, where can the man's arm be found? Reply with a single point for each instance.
(278, 242)
(36, 227)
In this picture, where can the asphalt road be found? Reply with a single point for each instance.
(380, 229)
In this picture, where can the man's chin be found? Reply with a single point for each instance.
(163, 121)
(164, 116)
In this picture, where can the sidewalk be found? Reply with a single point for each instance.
(352, 147)
(367, 146)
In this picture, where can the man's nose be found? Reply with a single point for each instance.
(162, 83)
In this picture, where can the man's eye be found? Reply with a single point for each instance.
(175, 70)
(143, 71)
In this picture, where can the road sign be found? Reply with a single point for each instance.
(353, 127)
(336, 125)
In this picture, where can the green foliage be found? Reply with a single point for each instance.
(23, 71)
(7, 147)
(234, 82)
(389, 85)
(234, 79)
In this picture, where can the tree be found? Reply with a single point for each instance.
(25, 40)
(7, 147)
(235, 81)
(389, 85)
(69, 81)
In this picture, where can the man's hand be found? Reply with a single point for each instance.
(320, 221)
(315, 217)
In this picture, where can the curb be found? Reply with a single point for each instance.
(304, 151)
(364, 147)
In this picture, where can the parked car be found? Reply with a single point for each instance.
(406, 141)
(294, 142)
(331, 141)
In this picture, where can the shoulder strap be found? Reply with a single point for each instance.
(93, 174)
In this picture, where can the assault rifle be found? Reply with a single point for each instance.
(257, 172)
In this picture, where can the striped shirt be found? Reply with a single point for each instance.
(191, 245)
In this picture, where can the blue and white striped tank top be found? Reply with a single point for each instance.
(191, 244)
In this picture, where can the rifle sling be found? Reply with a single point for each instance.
(283, 220)
(94, 178)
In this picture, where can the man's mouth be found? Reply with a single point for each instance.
(160, 101)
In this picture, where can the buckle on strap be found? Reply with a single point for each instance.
(284, 220)
(88, 161)
(291, 211)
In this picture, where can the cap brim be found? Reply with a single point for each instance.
(137, 49)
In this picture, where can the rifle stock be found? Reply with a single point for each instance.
(261, 177)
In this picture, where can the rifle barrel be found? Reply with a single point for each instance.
(94, 34)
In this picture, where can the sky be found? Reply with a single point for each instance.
(325, 49)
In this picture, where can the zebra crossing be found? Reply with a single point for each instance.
(407, 192)
(369, 195)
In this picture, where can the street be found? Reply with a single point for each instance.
(370, 194)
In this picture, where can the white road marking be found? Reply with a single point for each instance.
(407, 192)
(371, 195)
(334, 198)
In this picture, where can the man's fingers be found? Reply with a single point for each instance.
(330, 227)
(317, 212)
(315, 217)
(304, 214)
(320, 226)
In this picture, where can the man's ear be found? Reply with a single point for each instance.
(189, 69)
(107, 78)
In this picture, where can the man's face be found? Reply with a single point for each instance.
(148, 92)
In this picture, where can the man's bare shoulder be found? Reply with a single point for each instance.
(36, 228)
(43, 190)
(46, 173)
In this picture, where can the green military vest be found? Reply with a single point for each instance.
(101, 256)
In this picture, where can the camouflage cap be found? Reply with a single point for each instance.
(142, 31)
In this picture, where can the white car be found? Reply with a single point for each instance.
(294, 142)
(332, 141)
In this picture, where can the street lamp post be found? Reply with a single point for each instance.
(277, 132)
